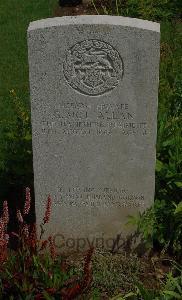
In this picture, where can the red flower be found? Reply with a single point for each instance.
(44, 245)
(19, 216)
(52, 247)
(33, 238)
(5, 213)
(87, 278)
(27, 202)
(1, 227)
(25, 230)
(4, 238)
(48, 210)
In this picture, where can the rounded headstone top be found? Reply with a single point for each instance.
(95, 19)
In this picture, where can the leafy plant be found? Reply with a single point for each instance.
(15, 147)
(172, 289)
(35, 270)
(173, 286)
(148, 9)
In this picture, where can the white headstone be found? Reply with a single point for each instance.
(94, 90)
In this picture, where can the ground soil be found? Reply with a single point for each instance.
(152, 271)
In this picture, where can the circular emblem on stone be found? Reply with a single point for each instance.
(93, 67)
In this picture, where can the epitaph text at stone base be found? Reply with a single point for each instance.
(94, 90)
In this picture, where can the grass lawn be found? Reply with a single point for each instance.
(15, 16)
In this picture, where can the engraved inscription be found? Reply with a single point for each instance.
(93, 67)
(98, 197)
(80, 119)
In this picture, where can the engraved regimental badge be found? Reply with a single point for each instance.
(93, 67)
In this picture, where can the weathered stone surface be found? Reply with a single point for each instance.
(94, 89)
